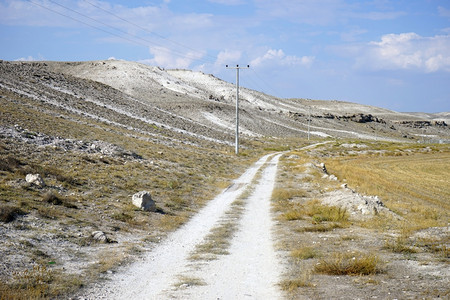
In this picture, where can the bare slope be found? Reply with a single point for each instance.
(210, 102)
(98, 132)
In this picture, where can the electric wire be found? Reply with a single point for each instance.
(148, 31)
(144, 42)
(136, 40)
(87, 24)
(272, 90)
(127, 33)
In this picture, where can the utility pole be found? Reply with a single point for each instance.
(309, 118)
(237, 102)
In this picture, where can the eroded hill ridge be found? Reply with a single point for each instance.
(201, 107)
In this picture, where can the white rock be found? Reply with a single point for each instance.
(332, 177)
(144, 201)
(35, 179)
(99, 236)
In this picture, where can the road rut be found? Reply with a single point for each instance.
(250, 271)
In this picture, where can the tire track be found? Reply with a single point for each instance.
(156, 274)
(251, 270)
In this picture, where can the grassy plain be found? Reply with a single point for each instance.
(326, 246)
(413, 184)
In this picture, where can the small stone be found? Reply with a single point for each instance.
(35, 179)
(100, 236)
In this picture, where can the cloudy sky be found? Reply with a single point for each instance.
(388, 53)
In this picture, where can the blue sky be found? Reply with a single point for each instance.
(392, 54)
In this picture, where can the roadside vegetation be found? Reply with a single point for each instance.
(413, 182)
(324, 242)
(87, 191)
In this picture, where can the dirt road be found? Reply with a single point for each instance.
(249, 271)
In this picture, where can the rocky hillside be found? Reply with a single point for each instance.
(186, 106)
(79, 139)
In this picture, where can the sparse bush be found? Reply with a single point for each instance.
(349, 264)
(52, 198)
(56, 199)
(9, 164)
(10, 213)
(123, 217)
(189, 281)
(321, 213)
(28, 284)
(302, 280)
(280, 194)
(292, 215)
(400, 245)
(304, 253)
(320, 227)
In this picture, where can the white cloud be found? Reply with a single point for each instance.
(163, 57)
(408, 51)
(228, 57)
(278, 57)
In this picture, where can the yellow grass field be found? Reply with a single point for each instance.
(416, 186)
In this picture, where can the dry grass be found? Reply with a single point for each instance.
(302, 281)
(33, 284)
(325, 213)
(282, 194)
(321, 227)
(349, 264)
(304, 253)
(416, 186)
(216, 242)
(348, 247)
(189, 281)
(86, 190)
(219, 239)
(38, 282)
(400, 244)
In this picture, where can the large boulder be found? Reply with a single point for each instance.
(144, 201)
(35, 179)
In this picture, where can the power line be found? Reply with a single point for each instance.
(146, 30)
(87, 24)
(269, 86)
(142, 41)
(146, 44)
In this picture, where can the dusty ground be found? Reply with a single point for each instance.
(407, 265)
(257, 261)
(250, 268)
(100, 131)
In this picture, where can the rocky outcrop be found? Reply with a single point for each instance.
(421, 124)
(358, 118)
(41, 139)
(144, 201)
